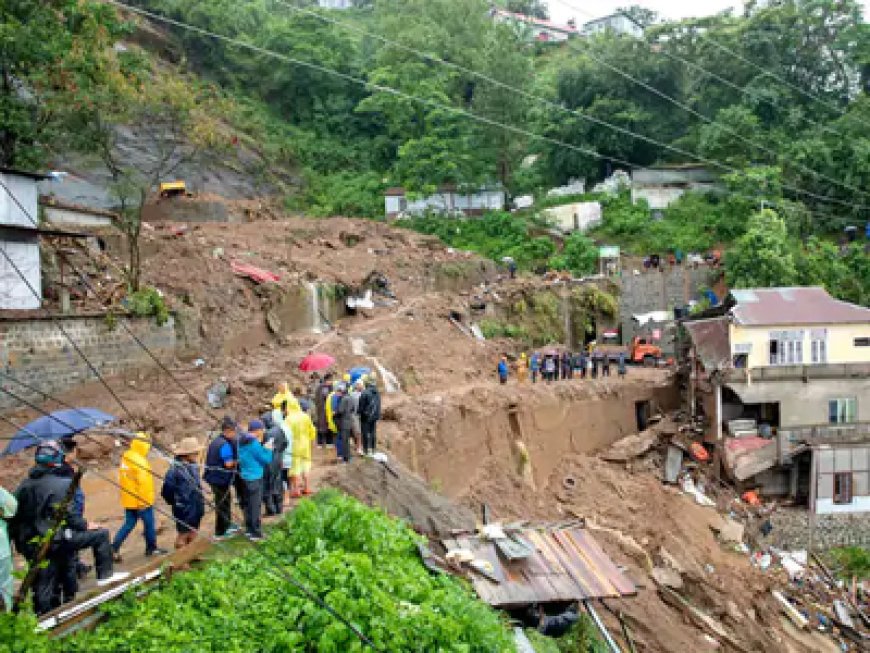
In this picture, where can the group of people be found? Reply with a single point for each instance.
(267, 464)
(553, 366)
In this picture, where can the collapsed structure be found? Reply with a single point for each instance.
(783, 375)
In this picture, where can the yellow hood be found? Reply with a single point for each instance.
(141, 444)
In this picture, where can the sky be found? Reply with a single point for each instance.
(581, 9)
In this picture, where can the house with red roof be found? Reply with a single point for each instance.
(537, 29)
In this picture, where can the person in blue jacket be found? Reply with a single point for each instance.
(254, 458)
(182, 489)
(503, 370)
(535, 366)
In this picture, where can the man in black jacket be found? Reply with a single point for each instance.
(40, 496)
(273, 484)
(369, 414)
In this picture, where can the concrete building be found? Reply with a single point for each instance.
(660, 186)
(448, 201)
(335, 4)
(578, 216)
(618, 23)
(536, 29)
(784, 376)
(19, 239)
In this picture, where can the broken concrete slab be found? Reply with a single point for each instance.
(729, 530)
(631, 446)
(673, 464)
(667, 577)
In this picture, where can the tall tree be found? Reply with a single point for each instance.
(47, 47)
(761, 258)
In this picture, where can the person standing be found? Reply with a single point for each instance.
(502, 370)
(343, 419)
(621, 368)
(605, 365)
(584, 364)
(221, 461)
(8, 506)
(273, 481)
(304, 433)
(321, 421)
(370, 414)
(535, 366)
(182, 490)
(355, 395)
(566, 365)
(137, 496)
(254, 460)
(550, 368)
(522, 369)
(39, 498)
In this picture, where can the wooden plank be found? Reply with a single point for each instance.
(593, 555)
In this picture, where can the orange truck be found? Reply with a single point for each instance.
(642, 350)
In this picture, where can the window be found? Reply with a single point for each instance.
(843, 487)
(786, 348)
(819, 346)
(842, 411)
(862, 342)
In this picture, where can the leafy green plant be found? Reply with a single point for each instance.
(148, 302)
(854, 561)
(362, 562)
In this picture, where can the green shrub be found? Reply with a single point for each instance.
(148, 302)
(854, 561)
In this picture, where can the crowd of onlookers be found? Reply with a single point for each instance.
(552, 366)
(266, 465)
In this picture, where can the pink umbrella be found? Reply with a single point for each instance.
(315, 362)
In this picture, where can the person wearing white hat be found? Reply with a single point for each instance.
(182, 489)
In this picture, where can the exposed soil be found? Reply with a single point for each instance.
(471, 440)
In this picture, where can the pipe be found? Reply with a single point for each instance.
(612, 645)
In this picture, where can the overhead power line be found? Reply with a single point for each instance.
(435, 104)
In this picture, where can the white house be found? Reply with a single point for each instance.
(662, 185)
(447, 200)
(537, 29)
(618, 23)
(335, 4)
(579, 216)
(19, 239)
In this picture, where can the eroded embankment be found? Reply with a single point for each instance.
(449, 439)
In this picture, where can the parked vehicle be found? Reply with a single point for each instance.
(642, 351)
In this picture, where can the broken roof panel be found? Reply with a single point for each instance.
(567, 564)
(711, 341)
(793, 306)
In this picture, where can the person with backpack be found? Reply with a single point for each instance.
(369, 414)
(182, 490)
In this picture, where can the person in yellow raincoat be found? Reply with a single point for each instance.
(304, 434)
(283, 395)
(522, 369)
(137, 495)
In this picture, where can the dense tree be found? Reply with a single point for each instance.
(762, 258)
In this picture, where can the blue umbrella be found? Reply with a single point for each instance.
(57, 425)
(357, 372)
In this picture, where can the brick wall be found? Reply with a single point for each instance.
(37, 353)
(659, 290)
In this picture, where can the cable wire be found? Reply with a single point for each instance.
(438, 105)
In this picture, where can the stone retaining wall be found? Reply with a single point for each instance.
(791, 530)
(35, 351)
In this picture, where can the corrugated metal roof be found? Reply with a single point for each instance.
(567, 565)
(711, 341)
(794, 306)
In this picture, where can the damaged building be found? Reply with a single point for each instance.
(783, 375)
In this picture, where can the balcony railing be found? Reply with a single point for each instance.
(795, 372)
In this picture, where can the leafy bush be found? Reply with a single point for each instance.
(148, 302)
(854, 561)
(359, 560)
(498, 329)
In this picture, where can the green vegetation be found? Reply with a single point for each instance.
(852, 561)
(581, 638)
(362, 562)
(148, 302)
(346, 138)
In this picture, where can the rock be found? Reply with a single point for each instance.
(259, 377)
(729, 530)
(667, 577)
(733, 611)
(630, 447)
(94, 447)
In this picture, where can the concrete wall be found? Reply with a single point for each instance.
(804, 404)
(24, 191)
(791, 530)
(658, 291)
(62, 216)
(853, 459)
(840, 340)
(37, 353)
(579, 216)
